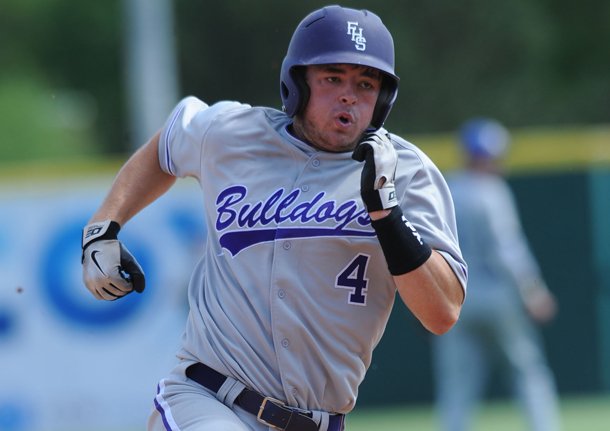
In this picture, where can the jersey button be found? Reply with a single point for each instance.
(315, 163)
(281, 293)
(286, 245)
(285, 343)
(305, 188)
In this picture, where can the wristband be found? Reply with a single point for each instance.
(403, 247)
(107, 229)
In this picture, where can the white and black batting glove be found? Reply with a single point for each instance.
(109, 270)
(377, 180)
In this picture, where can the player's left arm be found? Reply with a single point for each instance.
(431, 290)
(426, 282)
(433, 293)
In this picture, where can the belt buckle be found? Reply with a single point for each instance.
(261, 409)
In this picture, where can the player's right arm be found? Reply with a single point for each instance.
(109, 269)
(139, 182)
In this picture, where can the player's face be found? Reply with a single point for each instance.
(340, 107)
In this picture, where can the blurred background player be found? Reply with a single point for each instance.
(507, 296)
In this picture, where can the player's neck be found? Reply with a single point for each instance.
(298, 133)
(315, 141)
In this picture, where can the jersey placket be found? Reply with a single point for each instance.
(284, 292)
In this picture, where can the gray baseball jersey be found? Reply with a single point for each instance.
(293, 292)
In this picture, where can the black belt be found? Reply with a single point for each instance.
(267, 410)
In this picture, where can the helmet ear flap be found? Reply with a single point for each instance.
(294, 90)
(385, 101)
(298, 77)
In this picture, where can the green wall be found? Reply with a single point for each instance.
(600, 190)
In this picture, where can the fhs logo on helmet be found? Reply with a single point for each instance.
(356, 33)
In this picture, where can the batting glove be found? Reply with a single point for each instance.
(377, 179)
(109, 270)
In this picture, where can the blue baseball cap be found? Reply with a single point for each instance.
(484, 138)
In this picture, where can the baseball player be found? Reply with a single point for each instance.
(507, 294)
(316, 217)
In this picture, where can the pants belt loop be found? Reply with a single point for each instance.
(322, 419)
(229, 391)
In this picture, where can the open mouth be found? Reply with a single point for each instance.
(344, 119)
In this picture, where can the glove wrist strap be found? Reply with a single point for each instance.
(403, 247)
(106, 229)
(379, 199)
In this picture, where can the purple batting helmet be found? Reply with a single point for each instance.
(332, 35)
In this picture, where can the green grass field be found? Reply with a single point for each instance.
(590, 413)
(577, 414)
